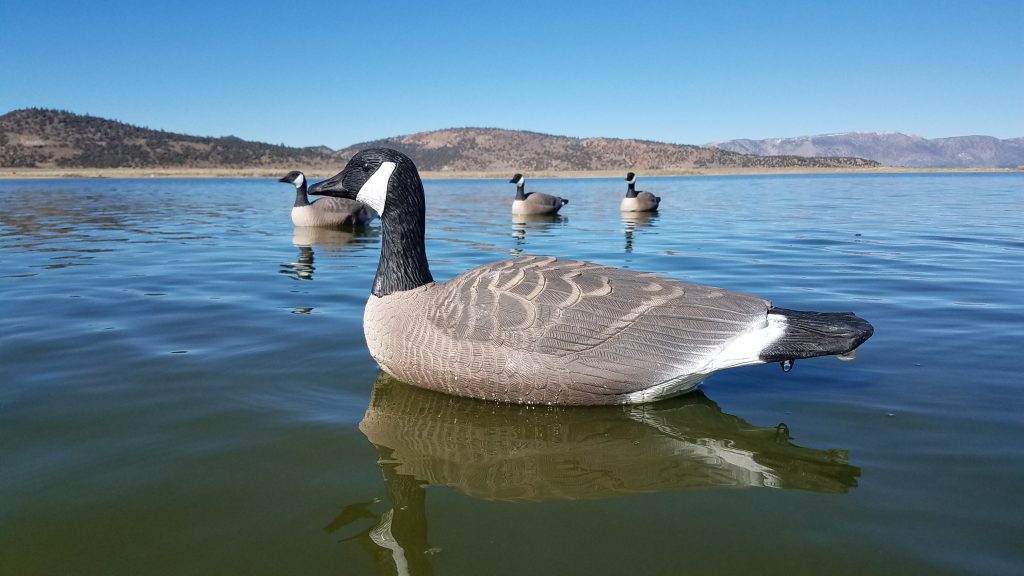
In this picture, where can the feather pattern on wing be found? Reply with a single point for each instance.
(538, 203)
(545, 330)
(332, 212)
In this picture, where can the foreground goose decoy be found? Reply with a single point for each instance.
(638, 201)
(324, 212)
(534, 203)
(541, 330)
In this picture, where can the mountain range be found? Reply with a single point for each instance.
(39, 138)
(893, 149)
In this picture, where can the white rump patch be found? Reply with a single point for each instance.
(746, 349)
(374, 192)
(664, 390)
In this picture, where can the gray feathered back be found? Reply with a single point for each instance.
(541, 330)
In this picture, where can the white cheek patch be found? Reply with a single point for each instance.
(374, 192)
(299, 180)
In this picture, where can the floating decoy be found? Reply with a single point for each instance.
(638, 201)
(542, 330)
(534, 203)
(325, 212)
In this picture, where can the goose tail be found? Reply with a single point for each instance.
(810, 334)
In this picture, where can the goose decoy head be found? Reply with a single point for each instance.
(366, 177)
(518, 180)
(630, 185)
(387, 181)
(294, 177)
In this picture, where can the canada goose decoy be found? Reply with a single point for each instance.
(534, 202)
(324, 211)
(638, 201)
(540, 330)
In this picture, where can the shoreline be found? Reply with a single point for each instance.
(143, 173)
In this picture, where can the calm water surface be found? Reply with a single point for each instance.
(186, 389)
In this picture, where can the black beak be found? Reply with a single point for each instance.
(333, 186)
(284, 179)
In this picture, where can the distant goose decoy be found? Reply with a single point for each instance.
(638, 201)
(324, 212)
(541, 330)
(534, 203)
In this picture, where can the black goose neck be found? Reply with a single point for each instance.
(520, 191)
(301, 198)
(631, 190)
(403, 254)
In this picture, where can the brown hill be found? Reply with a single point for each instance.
(497, 150)
(36, 138)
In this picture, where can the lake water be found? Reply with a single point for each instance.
(186, 389)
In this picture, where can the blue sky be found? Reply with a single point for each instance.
(338, 73)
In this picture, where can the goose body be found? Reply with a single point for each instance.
(534, 203)
(542, 330)
(638, 201)
(324, 212)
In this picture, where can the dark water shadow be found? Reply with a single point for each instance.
(533, 454)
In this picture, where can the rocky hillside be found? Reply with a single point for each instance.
(490, 149)
(893, 149)
(34, 138)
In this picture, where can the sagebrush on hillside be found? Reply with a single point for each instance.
(38, 138)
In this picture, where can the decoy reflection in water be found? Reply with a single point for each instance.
(302, 268)
(310, 239)
(323, 237)
(521, 223)
(633, 221)
(517, 453)
(396, 537)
